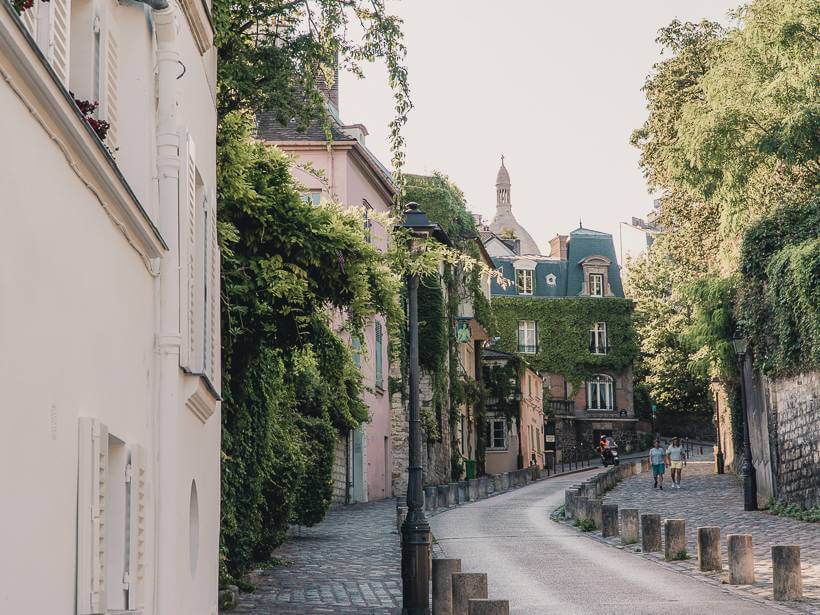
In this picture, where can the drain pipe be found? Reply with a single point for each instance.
(167, 533)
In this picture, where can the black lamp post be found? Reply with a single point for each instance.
(747, 470)
(516, 397)
(415, 531)
(719, 465)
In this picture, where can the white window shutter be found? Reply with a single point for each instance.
(138, 490)
(91, 508)
(109, 110)
(212, 331)
(58, 37)
(187, 245)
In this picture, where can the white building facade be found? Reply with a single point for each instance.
(109, 311)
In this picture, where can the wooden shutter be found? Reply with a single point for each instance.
(212, 304)
(58, 37)
(138, 492)
(187, 245)
(379, 369)
(91, 508)
(109, 110)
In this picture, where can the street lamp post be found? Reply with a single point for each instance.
(747, 470)
(415, 531)
(719, 465)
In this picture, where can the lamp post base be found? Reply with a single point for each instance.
(415, 564)
(719, 465)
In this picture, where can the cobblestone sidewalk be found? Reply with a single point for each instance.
(350, 563)
(708, 499)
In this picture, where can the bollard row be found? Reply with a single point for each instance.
(462, 593)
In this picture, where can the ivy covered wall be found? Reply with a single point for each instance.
(563, 333)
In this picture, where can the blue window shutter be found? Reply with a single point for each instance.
(379, 374)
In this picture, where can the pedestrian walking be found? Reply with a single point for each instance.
(676, 456)
(656, 459)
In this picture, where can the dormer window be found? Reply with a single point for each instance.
(523, 281)
(596, 284)
(524, 276)
(596, 276)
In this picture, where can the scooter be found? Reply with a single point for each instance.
(610, 456)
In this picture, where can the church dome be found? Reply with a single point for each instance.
(504, 223)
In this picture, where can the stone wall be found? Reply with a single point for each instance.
(795, 406)
(339, 472)
(435, 453)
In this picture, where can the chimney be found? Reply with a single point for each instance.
(558, 247)
(332, 92)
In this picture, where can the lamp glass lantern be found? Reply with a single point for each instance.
(740, 343)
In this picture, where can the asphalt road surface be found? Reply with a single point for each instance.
(544, 567)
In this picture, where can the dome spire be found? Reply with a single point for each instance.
(502, 187)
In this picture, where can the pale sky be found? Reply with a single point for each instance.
(554, 86)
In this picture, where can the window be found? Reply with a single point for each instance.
(597, 338)
(527, 338)
(314, 197)
(497, 434)
(600, 393)
(378, 352)
(523, 280)
(596, 284)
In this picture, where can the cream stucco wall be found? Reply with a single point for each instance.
(81, 307)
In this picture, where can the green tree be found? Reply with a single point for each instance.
(273, 55)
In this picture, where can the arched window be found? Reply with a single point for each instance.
(600, 392)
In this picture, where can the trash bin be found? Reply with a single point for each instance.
(470, 465)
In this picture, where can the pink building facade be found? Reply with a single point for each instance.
(349, 174)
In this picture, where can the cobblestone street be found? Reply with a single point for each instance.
(708, 499)
(349, 563)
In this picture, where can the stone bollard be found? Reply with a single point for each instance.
(467, 586)
(482, 487)
(630, 525)
(443, 496)
(472, 489)
(452, 496)
(489, 607)
(609, 518)
(401, 513)
(581, 503)
(709, 549)
(594, 508)
(788, 580)
(498, 483)
(570, 496)
(741, 559)
(462, 492)
(443, 570)
(651, 532)
(505, 481)
(430, 498)
(675, 539)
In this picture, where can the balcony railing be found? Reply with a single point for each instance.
(561, 407)
(599, 350)
(527, 349)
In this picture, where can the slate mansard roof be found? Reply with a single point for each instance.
(568, 274)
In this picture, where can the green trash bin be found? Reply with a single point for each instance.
(470, 468)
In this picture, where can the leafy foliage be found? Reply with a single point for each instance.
(275, 55)
(779, 299)
(563, 333)
(289, 381)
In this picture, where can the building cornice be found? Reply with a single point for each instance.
(359, 153)
(199, 20)
(29, 75)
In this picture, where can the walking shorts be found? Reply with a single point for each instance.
(657, 469)
(677, 465)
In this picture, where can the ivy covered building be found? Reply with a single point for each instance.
(565, 313)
